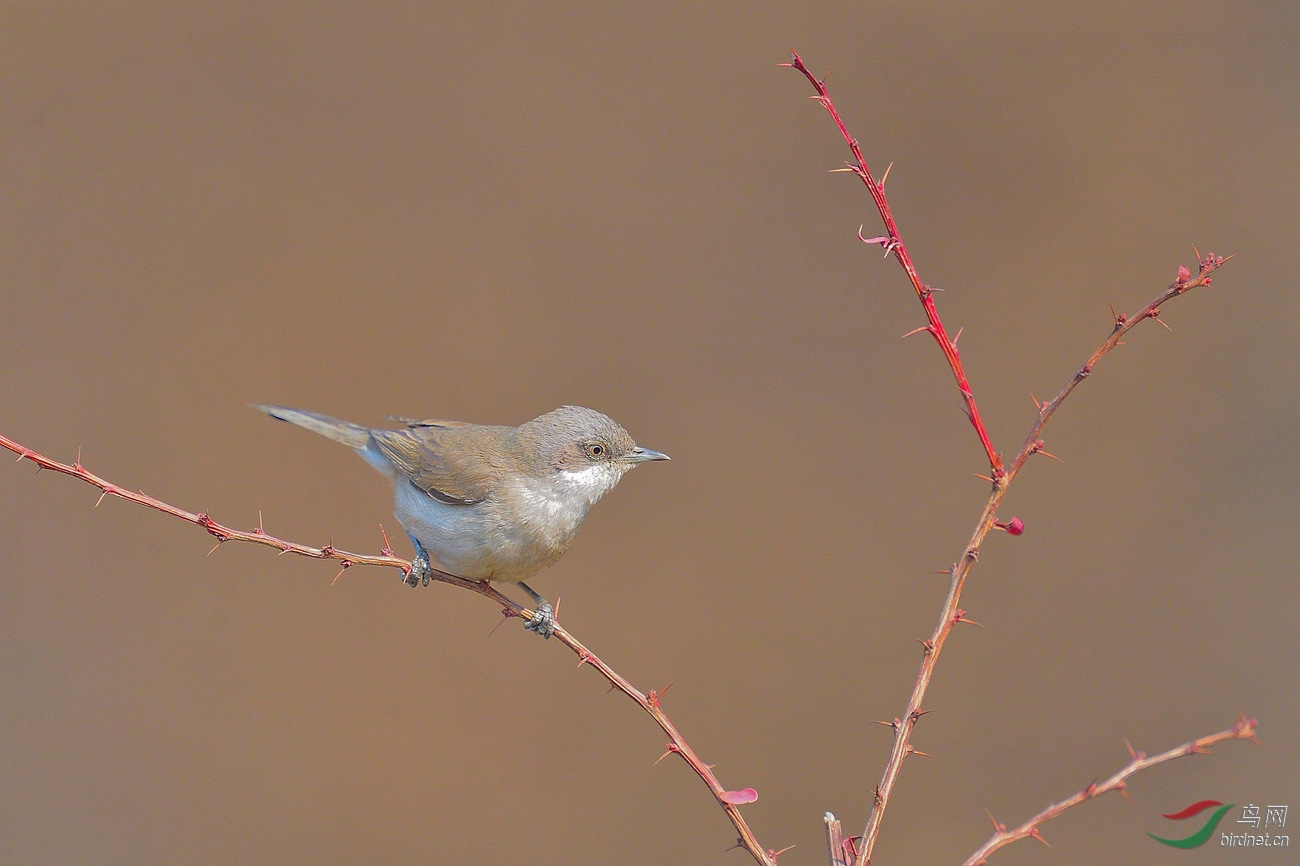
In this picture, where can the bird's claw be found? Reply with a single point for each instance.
(543, 621)
(418, 573)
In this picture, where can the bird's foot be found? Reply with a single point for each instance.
(420, 567)
(543, 621)
(418, 573)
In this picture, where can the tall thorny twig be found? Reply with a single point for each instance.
(1000, 474)
(893, 243)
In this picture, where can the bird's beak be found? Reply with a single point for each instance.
(643, 455)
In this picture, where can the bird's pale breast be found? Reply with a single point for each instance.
(518, 532)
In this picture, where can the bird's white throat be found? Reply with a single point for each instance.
(558, 503)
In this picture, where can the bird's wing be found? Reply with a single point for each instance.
(445, 462)
(427, 422)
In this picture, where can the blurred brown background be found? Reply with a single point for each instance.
(428, 210)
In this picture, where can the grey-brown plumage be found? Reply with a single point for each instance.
(491, 502)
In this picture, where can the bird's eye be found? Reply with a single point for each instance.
(595, 449)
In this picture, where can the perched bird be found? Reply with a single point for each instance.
(486, 502)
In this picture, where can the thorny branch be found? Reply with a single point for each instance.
(728, 800)
(1244, 729)
(1001, 475)
(844, 851)
(951, 613)
(892, 242)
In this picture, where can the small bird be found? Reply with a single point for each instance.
(486, 502)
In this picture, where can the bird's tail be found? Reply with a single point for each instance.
(352, 435)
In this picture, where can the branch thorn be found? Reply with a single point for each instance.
(884, 177)
(505, 615)
(672, 750)
(346, 566)
(1037, 448)
(881, 240)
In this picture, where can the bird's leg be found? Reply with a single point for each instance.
(419, 572)
(543, 621)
